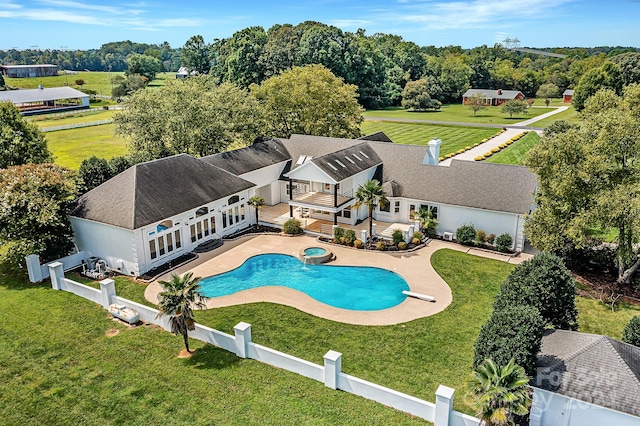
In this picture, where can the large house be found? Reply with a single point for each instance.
(493, 97)
(156, 211)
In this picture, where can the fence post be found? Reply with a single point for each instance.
(243, 338)
(34, 269)
(56, 273)
(373, 230)
(108, 290)
(363, 235)
(444, 405)
(332, 368)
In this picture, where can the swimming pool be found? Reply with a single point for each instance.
(358, 288)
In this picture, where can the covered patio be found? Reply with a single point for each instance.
(279, 214)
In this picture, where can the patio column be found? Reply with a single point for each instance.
(335, 203)
(290, 197)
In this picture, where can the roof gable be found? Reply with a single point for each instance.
(156, 190)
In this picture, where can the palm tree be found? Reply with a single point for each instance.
(256, 202)
(180, 296)
(371, 195)
(500, 393)
(427, 222)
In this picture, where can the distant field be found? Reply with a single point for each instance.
(570, 115)
(458, 113)
(70, 147)
(453, 137)
(515, 153)
(43, 121)
(98, 81)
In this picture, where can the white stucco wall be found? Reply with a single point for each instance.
(267, 179)
(552, 409)
(492, 222)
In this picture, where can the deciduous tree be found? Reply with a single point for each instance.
(416, 96)
(195, 55)
(33, 213)
(144, 65)
(589, 177)
(20, 141)
(514, 106)
(93, 171)
(547, 91)
(477, 102)
(194, 116)
(309, 100)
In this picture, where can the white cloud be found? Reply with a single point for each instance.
(438, 15)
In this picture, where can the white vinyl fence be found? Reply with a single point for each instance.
(441, 413)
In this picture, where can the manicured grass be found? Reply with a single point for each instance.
(52, 120)
(72, 146)
(453, 137)
(570, 115)
(457, 113)
(515, 153)
(58, 367)
(95, 80)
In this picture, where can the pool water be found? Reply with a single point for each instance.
(315, 251)
(358, 288)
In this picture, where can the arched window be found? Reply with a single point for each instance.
(202, 211)
(164, 225)
(233, 200)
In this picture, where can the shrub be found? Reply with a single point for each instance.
(544, 283)
(342, 241)
(479, 158)
(349, 236)
(402, 245)
(631, 332)
(460, 151)
(467, 148)
(441, 158)
(481, 237)
(397, 236)
(418, 235)
(337, 234)
(504, 243)
(494, 150)
(380, 245)
(358, 244)
(515, 332)
(292, 227)
(465, 234)
(415, 241)
(490, 239)
(484, 140)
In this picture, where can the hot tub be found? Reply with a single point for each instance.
(315, 255)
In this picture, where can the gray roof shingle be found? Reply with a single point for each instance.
(493, 94)
(591, 368)
(347, 162)
(156, 190)
(239, 161)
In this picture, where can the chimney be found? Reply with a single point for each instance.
(433, 152)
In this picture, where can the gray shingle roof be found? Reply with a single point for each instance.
(347, 162)
(498, 187)
(37, 95)
(156, 190)
(591, 368)
(260, 154)
(378, 137)
(492, 94)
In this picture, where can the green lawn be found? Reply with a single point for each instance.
(515, 153)
(453, 137)
(457, 113)
(95, 80)
(70, 147)
(51, 120)
(570, 115)
(58, 367)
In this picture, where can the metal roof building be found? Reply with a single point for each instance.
(33, 101)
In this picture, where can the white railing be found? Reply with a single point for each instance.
(75, 125)
(441, 413)
(38, 272)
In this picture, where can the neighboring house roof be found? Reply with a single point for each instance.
(29, 66)
(378, 137)
(493, 94)
(591, 368)
(568, 92)
(156, 190)
(261, 154)
(476, 184)
(347, 162)
(39, 95)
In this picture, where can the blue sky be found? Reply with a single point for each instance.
(84, 24)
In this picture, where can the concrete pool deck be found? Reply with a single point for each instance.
(414, 267)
